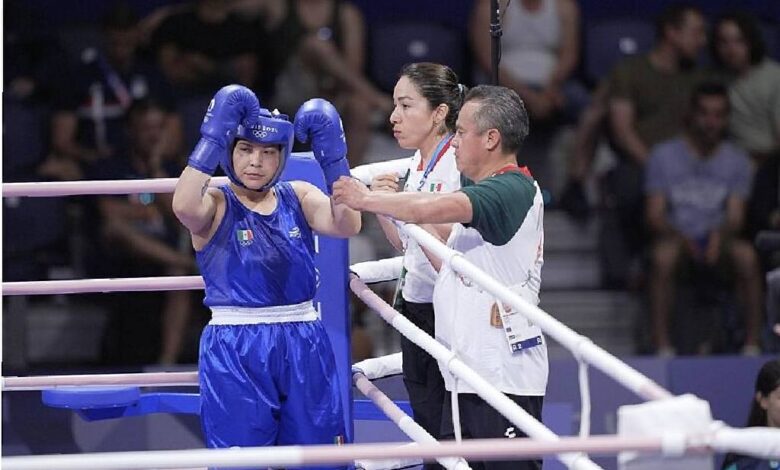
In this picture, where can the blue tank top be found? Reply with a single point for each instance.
(256, 260)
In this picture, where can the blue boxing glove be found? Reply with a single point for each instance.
(318, 119)
(230, 106)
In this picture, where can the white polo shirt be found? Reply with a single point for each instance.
(505, 207)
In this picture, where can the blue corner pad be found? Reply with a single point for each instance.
(91, 397)
(367, 410)
(97, 403)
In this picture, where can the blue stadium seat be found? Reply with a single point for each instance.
(33, 228)
(393, 45)
(191, 110)
(610, 40)
(34, 237)
(24, 139)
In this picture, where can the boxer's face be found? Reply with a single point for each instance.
(412, 118)
(255, 164)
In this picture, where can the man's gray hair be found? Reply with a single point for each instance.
(502, 109)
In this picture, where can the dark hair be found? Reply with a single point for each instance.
(438, 84)
(502, 109)
(674, 16)
(120, 17)
(707, 88)
(142, 106)
(748, 27)
(767, 381)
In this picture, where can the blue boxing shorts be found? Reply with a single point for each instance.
(269, 384)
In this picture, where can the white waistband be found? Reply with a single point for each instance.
(303, 311)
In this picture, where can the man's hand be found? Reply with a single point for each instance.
(350, 192)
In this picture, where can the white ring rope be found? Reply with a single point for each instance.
(297, 456)
(146, 379)
(80, 286)
(761, 442)
(404, 422)
(584, 382)
(582, 371)
(484, 389)
(594, 355)
(85, 188)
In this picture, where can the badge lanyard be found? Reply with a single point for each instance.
(441, 149)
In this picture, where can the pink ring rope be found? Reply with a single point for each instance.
(296, 456)
(83, 188)
(146, 379)
(80, 286)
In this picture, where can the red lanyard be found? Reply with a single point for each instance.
(522, 169)
(441, 149)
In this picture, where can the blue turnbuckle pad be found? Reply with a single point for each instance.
(91, 397)
(96, 403)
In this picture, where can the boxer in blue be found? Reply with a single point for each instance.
(267, 370)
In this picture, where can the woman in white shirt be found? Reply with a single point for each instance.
(427, 98)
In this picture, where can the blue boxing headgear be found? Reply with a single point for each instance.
(269, 128)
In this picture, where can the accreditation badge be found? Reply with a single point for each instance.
(520, 332)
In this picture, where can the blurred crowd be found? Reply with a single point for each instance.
(667, 133)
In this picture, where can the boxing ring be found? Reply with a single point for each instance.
(666, 427)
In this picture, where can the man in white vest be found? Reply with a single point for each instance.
(498, 216)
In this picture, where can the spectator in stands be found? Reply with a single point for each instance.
(205, 46)
(754, 90)
(764, 411)
(591, 125)
(764, 218)
(754, 84)
(32, 61)
(149, 24)
(141, 237)
(697, 185)
(539, 53)
(646, 94)
(31, 51)
(648, 91)
(319, 48)
(92, 103)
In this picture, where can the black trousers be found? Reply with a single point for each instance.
(422, 376)
(478, 420)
